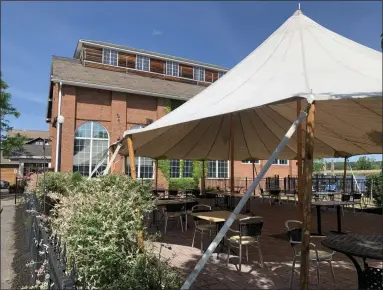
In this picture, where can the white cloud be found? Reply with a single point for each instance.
(156, 32)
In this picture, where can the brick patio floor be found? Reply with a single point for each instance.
(276, 250)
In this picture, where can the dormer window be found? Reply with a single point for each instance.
(109, 56)
(199, 73)
(172, 68)
(220, 74)
(143, 63)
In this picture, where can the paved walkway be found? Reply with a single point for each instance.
(277, 253)
(7, 240)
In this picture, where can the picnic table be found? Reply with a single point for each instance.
(219, 218)
(329, 203)
(365, 247)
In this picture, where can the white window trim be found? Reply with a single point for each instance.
(178, 68)
(204, 75)
(143, 57)
(91, 143)
(216, 171)
(251, 162)
(278, 164)
(110, 56)
(139, 168)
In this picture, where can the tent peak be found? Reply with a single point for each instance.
(299, 11)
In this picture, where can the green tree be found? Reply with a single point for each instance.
(365, 163)
(8, 143)
(318, 165)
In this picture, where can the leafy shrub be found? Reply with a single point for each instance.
(376, 181)
(100, 222)
(183, 183)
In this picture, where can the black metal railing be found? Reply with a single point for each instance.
(48, 253)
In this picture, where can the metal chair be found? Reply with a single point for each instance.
(345, 198)
(188, 210)
(202, 227)
(295, 239)
(357, 198)
(174, 211)
(250, 229)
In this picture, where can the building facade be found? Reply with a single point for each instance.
(106, 89)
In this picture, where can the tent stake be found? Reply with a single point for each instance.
(140, 238)
(299, 163)
(201, 263)
(308, 171)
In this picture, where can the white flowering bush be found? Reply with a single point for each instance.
(99, 221)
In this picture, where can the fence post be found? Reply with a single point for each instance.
(246, 183)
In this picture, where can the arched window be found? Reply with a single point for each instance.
(91, 142)
(144, 165)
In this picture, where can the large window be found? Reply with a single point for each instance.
(144, 167)
(199, 73)
(250, 162)
(143, 63)
(174, 168)
(109, 56)
(280, 162)
(188, 168)
(217, 169)
(172, 68)
(91, 144)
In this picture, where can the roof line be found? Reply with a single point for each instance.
(118, 89)
(153, 54)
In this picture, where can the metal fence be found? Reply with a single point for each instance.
(48, 254)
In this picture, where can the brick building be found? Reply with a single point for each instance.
(106, 89)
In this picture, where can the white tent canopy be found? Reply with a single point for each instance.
(301, 59)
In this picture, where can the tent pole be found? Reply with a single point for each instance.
(344, 175)
(106, 171)
(308, 171)
(140, 238)
(299, 163)
(201, 263)
(123, 170)
(156, 165)
(203, 177)
(254, 173)
(232, 153)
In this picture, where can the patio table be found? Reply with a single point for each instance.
(219, 218)
(365, 247)
(329, 203)
(324, 194)
(229, 200)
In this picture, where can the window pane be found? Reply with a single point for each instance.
(99, 131)
(220, 74)
(172, 68)
(283, 161)
(222, 169)
(84, 130)
(110, 56)
(136, 161)
(146, 168)
(142, 63)
(174, 168)
(81, 157)
(199, 73)
(275, 161)
(211, 169)
(99, 150)
(188, 168)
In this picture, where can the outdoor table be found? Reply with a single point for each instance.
(219, 218)
(329, 203)
(362, 246)
(229, 200)
(324, 194)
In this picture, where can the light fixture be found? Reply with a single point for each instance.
(60, 119)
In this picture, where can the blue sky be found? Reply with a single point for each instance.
(216, 32)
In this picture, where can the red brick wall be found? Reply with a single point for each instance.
(117, 112)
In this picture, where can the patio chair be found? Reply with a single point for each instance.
(200, 226)
(265, 194)
(250, 229)
(357, 198)
(295, 238)
(188, 210)
(172, 193)
(345, 198)
(174, 211)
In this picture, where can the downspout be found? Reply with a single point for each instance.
(58, 129)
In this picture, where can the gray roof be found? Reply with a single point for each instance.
(71, 71)
(32, 151)
(5, 161)
(30, 134)
(135, 50)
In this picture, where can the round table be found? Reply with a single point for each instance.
(362, 246)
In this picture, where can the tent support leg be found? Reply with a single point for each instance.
(193, 275)
(299, 163)
(156, 165)
(203, 178)
(344, 175)
(308, 171)
(232, 153)
(140, 237)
